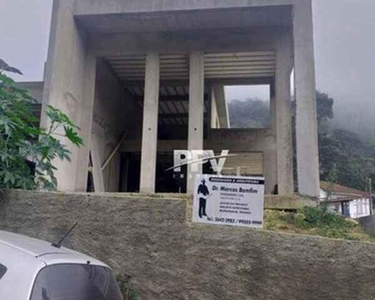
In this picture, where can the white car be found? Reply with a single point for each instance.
(31, 269)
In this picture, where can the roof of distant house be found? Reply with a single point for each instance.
(345, 193)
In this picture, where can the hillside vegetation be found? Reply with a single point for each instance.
(349, 153)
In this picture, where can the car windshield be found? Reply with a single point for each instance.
(3, 270)
(75, 282)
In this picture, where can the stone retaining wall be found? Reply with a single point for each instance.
(169, 258)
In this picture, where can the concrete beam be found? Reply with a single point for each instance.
(92, 7)
(236, 40)
(172, 116)
(196, 112)
(150, 123)
(69, 86)
(170, 98)
(162, 21)
(306, 115)
(222, 81)
(284, 60)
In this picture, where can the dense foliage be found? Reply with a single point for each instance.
(27, 152)
(352, 156)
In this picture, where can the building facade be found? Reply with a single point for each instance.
(142, 78)
(345, 201)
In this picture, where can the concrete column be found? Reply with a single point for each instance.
(214, 114)
(270, 155)
(270, 169)
(69, 86)
(284, 117)
(87, 110)
(97, 173)
(150, 123)
(306, 116)
(273, 108)
(196, 112)
(221, 106)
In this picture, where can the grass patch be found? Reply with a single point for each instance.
(315, 221)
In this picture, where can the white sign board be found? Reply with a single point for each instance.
(229, 200)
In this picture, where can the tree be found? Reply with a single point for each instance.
(352, 158)
(332, 180)
(324, 106)
(27, 152)
(251, 113)
(343, 152)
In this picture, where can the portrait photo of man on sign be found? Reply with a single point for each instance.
(203, 194)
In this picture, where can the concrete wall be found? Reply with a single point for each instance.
(35, 89)
(115, 112)
(359, 208)
(170, 258)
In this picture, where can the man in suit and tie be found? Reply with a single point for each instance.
(203, 190)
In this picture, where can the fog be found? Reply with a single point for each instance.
(344, 50)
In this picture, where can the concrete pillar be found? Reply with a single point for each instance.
(196, 113)
(150, 123)
(87, 110)
(69, 86)
(221, 106)
(270, 155)
(306, 116)
(214, 115)
(97, 173)
(284, 61)
(270, 169)
(273, 108)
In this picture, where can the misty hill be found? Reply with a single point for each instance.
(357, 118)
(344, 146)
(251, 113)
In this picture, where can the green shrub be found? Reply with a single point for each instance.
(321, 221)
(127, 289)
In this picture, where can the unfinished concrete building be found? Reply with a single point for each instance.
(149, 75)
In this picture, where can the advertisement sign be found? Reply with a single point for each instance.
(229, 200)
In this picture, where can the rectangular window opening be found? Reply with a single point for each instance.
(249, 106)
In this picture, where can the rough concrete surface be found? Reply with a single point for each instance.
(169, 258)
(368, 223)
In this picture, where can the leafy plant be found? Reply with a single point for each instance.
(27, 152)
(126, 286)
(321, 220)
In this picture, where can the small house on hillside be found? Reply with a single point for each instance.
(345, 201)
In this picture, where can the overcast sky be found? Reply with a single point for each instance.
(344, 45)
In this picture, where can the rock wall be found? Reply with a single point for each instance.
(170, 258)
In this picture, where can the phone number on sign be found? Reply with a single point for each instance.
(234, 221)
